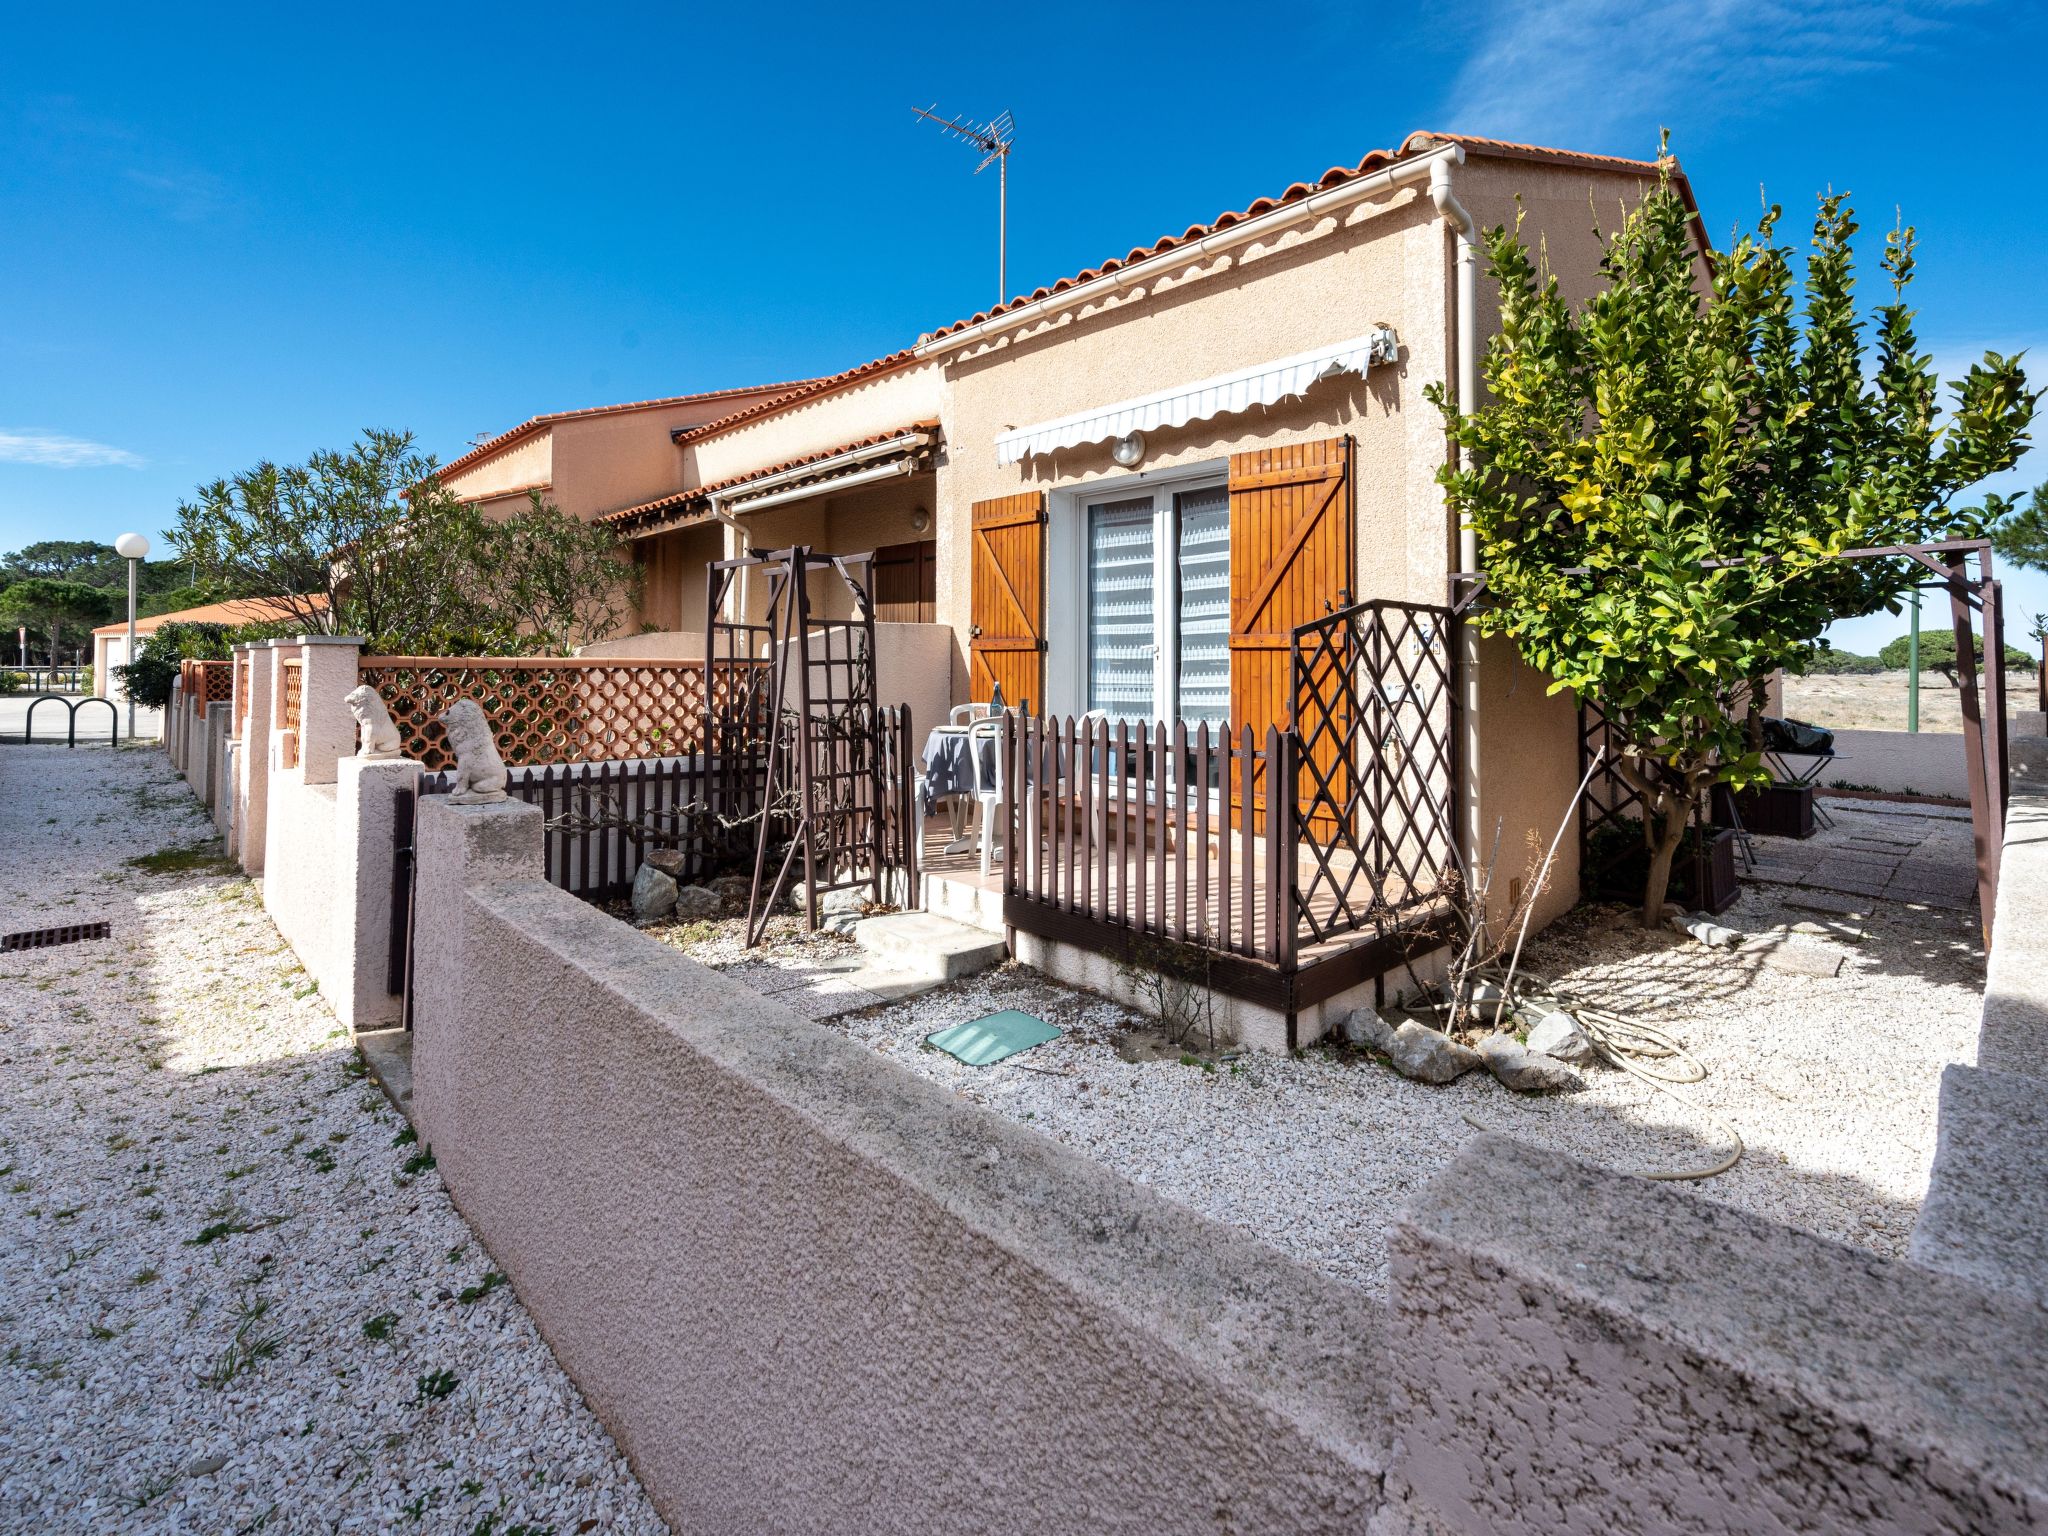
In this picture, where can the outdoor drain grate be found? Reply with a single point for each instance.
(44, 938)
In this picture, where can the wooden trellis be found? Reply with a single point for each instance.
(1374, 700)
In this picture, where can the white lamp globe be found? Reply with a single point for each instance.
(131, 546)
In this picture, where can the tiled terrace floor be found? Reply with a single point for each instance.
(1878, 850)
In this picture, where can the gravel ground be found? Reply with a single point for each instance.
(233, 1295)
(1831, 1083)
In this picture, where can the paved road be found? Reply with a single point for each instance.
(95, 720)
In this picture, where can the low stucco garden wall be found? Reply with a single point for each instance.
(1899, 763)
(808, 1292)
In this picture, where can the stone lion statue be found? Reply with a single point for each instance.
(377, 736)
(479, 771)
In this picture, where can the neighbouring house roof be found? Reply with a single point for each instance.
(1377, 160)
(809, 390)
(682, 507)
(533, 424)
(236, 610)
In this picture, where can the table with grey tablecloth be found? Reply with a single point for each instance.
(948, 770)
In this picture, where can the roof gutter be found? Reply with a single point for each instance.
(725, 509)
(902, 442)
(1415, 168)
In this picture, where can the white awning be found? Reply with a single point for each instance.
(1265, 384)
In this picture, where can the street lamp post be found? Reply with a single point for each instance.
(130, 547)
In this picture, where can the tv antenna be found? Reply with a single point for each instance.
(993, 139)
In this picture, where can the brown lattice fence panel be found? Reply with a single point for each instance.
(242, 673)
(546, 710)
(208, 682)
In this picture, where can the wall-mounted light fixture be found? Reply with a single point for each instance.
(920, 521)
(1129, 450)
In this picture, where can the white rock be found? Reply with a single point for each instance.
(1429, 1056)
(1363, 1026)
(1558, 1034)
(1698, 925)
(1524, 1070)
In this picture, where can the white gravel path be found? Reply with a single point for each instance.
(1832, 1083)
(230, 1299)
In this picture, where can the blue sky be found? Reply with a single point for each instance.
(228, 235)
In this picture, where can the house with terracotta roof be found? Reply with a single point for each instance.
(1191, 489)
(110, 641)
(1124, 492)
(602, 459)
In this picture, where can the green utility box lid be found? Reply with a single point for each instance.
(980, 1042)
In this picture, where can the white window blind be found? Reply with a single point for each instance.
(1159, 606)
(1204, 562)
(1122, 612)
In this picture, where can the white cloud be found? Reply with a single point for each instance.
(1605, 74)
(54, 450)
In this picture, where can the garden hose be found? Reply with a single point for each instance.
(1629, 1044)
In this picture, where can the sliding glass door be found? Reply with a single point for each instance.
(1158, 571)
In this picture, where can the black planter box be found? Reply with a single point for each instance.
(1774, 810)
(1703, 876)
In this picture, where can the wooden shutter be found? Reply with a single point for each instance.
(1006, 645)
(1293, 552)
(906, 583)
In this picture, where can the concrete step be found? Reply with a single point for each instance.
(1986, 1213)
(925, 944)
(388, 1055)
(952, 896)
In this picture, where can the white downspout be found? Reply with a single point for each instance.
(1465, 326)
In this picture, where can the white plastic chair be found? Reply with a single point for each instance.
(967, 714)
(988, 780)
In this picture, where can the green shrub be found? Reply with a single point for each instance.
(155, 668)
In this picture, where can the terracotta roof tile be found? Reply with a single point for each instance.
(1377, 160)
(1336, 175)
(236, 610)
(679, 499)
(533, 424)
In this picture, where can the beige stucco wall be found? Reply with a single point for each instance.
(832, 1297)
(595, 463)
(886, 403)
(530, 461)
(604, 463)
(1382, 260)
